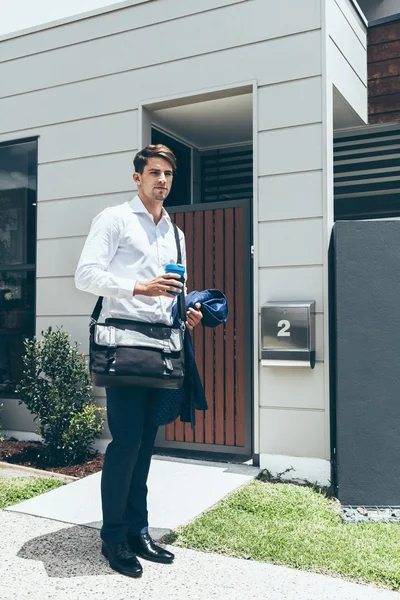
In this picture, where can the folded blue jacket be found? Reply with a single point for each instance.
(171, 404)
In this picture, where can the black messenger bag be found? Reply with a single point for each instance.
(124, 352)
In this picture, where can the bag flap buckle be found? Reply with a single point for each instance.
(111, 337)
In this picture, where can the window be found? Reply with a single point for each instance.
(18, 184)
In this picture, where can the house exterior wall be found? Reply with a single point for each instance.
(346, 66)
(79, 85)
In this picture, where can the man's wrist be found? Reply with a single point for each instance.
(139, 288)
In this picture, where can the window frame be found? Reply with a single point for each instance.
(26, 266)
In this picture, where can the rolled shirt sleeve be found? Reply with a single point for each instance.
(100, 247)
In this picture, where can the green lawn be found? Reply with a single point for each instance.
(298, 527)
(13, 491)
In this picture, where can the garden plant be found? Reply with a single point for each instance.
(56, 387)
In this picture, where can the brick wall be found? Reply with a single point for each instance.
(384, 72)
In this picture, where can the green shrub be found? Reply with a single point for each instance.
(55, 387)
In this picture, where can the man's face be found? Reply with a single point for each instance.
(156, 180)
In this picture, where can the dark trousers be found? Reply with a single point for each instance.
(127, 462)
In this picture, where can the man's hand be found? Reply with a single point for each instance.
(160, 286)
(193, 316)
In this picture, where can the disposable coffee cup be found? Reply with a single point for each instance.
(179, 270)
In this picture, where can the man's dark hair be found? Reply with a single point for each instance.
(142, 157)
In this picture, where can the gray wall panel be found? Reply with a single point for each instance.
(123, 91)
(355, 20)
(58, 257)
(368, 348)
(302, 389)
(180, 39)
(304, 433)
(16, 417)
(290, 150)
(100, 135)
(295, 195)
(58, 218)
(108, 23)
(283, 243)
(289, 104)
(58, 296)
(300, 283)
(77, 327)
(345, 79)
(86, 176)
(346, 40)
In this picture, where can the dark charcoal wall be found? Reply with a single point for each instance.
(367, 273)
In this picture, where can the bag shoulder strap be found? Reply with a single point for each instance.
(94, 317)
(181, 298)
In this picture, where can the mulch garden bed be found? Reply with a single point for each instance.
(30, 454)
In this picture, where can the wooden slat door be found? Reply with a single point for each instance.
(218, 256)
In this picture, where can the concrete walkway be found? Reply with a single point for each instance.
(42, 559)
(179, 490)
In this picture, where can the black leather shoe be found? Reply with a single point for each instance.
(122, 559)
(143, 546)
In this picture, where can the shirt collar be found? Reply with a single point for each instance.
(137, 206)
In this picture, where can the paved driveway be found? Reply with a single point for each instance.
(42, 559)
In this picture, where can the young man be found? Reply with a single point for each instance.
(124, 260)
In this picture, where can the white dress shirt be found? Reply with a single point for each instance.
(124, 245)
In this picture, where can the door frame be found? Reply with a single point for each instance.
(144, 137)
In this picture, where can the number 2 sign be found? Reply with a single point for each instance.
(285, 331)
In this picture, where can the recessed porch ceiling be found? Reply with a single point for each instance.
(216, 122)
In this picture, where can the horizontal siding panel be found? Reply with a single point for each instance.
(86, 176)
(293, 432)
(291, 196)
(346, 40)
(72, 217)
(301, 388)
(288, 104)
(124, 91)
(290, 243)
(76, 327)
(58, 258)
(101, 135)
(301, 283)
(353, 90)
(290, 150)
(58, 296)
(16, 417)
(108, 23)
(354, 19)
(180, 39)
